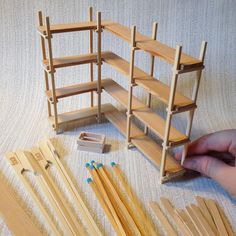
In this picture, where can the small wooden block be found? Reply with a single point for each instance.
(91, 142)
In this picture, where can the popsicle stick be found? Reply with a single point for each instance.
(162, 219)
(211, 205)
(121, 205)
(103, 204)
(51, 155)
(134, 201)
(207, 228)
(205, 212)
(42, 167)
(103, 192)
(19, 170)
(172, 213)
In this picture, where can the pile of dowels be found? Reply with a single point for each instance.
(206, 218)
(119, 202)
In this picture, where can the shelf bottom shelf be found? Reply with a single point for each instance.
(145, 144)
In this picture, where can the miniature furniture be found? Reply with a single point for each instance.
(175, 101)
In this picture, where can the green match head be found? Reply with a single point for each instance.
(99, 165)
(91, 167)
(113, 164)
(89, 180)
(87, 165)
(92, 162)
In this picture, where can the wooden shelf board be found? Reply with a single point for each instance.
(75, 89)
(71, 27)
(162, 91)
(145, 144)
(157, 124)
(154, 47)
(120, 94)
(80, 114)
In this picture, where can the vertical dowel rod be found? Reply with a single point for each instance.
(131, 84)
(52, 71)
(40, 21)
(99, 64)
(169, 110)
(154, 37)
(91, 51)
(194, 98)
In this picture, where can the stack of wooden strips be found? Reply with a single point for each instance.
(39, 161)
(119, 202)
(206, 218)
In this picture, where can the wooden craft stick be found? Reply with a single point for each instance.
(103, 204)
(90, 14)
(134, 201)
(51, 155)
(48, 191)
(162, 219)
(19, 170)
(205, 212)
(172, 213)
(115, 195)
(207, 228)
(104, 194)
(187, 221)
(134, 211)
(211, 205)
(42, 167)
(16, 218)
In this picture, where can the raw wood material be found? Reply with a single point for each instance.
(162, 219)
(80, 114)
(19, 168)
(154, 47)
(172, 213)
(157, 124)
(162, 92)
(211, 205)
(16, 218)
(145, 144)
(51, 155)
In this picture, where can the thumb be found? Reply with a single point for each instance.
(224, 174)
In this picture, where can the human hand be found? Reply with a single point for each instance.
(201, 158)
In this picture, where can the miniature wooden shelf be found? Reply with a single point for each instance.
(71, 27)
(76, 89)
(157, 124)
(80, 114)
(145, 144)
(120, 94)
(162, 92)
(154, 47)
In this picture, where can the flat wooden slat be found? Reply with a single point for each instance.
(145, 144)
(80, 114)
(153, 46)
(162, 92)
(71, 27)
(75, 89)
(157, 124)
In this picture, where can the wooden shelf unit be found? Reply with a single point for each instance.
(175, 101)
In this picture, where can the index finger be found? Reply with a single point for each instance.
(221, 141)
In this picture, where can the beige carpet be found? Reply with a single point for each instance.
(23, 115)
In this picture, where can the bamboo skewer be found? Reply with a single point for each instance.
(99, 183)
(20, 169)
(103, 204)
(162, 219)
(134, 201)
(51, 155)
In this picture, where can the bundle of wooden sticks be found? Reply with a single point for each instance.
(128, 217)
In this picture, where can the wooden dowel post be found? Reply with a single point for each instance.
(194, 98)
(44, 56)
(52, 71)
(154, 37)
(169, 111)
(90, 11)
(99, 64)
(131, 85)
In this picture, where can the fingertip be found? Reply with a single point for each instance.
(178, 156)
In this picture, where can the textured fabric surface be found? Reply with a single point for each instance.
(23, 114)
